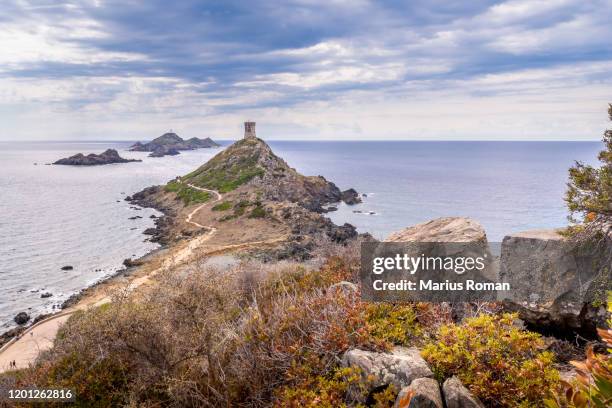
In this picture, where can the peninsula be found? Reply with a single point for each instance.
(169, 144)
(263, 198)
(109, 156)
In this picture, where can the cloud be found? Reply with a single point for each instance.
(208, 65)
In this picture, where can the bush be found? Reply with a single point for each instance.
(392, 323)
(593, 387)
(224, 206)
(251, 336)
(187, 194)
(500, 363)
(257, 212)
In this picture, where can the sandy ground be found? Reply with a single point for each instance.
(229, 237)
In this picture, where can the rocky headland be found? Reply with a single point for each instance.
(109, 156)
(170, 144)
(258, 188)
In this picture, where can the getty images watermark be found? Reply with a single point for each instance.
(430, 272)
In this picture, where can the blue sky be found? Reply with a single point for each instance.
(305, 69)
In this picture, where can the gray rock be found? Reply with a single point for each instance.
(553, 282)
(22, 318)
(350, 196)
(447, 229)
(400, 367)
(449, 237)
(422, 393)
(457, 396)
(344, 287)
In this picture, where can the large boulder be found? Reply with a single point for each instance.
(22, 318)
(457, 396)
(400, 367)
(455, 238)
(447, 229)
(422, 393)
(555, 283)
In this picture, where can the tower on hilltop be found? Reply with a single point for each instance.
(249, 130)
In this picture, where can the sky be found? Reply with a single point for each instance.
(305, 69)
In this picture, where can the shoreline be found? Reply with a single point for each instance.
(160, 238)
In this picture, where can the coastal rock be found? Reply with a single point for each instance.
(129, 263)
(447, 229)
(455, 237)
(170, 143)
(350, 196)
(22, 318)
(421, 393)
(107, 157)
(457, 396)
(555, 283)
(400, 367)
(67, 268)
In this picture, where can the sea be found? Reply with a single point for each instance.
(55, 216)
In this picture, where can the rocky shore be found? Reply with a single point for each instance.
(109, 156)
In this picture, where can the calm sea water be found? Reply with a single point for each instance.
(60, 215)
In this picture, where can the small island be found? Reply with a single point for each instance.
(170, 143)
(107, 157)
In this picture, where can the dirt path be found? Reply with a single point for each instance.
(24, 349)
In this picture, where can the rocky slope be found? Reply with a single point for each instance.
(252, 162)
(108, 157)
(171, 143)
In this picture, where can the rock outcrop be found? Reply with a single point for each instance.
(350, 196)
(555, 283)
(447, 229)
(457, 396)
(109, 156)
(170, 144)
(421, 393)
(400, 367)
(458, 238)
(22, 318)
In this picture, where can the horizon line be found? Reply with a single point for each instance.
(310, 140)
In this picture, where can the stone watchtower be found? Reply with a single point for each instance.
(249, 130)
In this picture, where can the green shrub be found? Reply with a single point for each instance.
(500, 363)
(331, 391)
(187, 194)
(173, 187)
(225, 175)
(257, 212)
(224, 206)
(393, 323)
(192, 196)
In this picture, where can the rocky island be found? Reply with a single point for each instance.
(107, 157)
(169, 144)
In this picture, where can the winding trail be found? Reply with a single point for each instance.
(25, 348)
